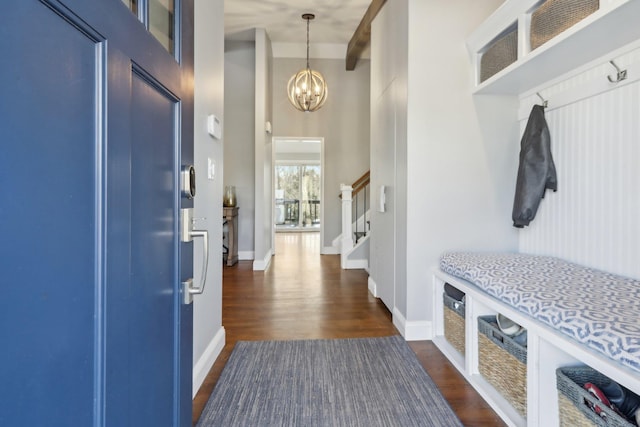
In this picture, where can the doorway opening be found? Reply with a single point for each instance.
(298, 184)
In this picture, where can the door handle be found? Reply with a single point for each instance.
(187, 235)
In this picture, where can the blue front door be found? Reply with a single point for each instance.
(95, 124)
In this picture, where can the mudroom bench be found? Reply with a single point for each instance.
(574, 316)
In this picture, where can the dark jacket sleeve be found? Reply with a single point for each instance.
(536, 171)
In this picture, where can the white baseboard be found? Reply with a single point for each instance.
(351, 264)
(373, 288)
(204, 364)
(246, 255)
(263, 264)
(330, 250)
(398, 321)
(412, 331)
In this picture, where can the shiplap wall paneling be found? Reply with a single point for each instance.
(594, 218)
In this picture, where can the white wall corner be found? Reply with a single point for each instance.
(372, 287)
(412, 330)
(263, 264)
(246, 255)
(330, 250)
(204, 364)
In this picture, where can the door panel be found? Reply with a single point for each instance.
(153, 246)
(48, 219)
(90, 120)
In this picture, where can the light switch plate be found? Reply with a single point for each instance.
(214, 127)
(211, 168)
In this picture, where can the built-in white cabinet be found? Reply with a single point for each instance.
(613, 25)
(547, 350)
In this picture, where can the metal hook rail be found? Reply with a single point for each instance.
(617, 78)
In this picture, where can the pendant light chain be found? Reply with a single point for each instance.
(308, 19)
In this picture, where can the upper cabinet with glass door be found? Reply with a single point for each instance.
(158, 16)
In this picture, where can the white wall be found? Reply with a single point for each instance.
(460, 180)
(239, 134)
(208, 333)
(343, 122)
(263, 244)
(455, 173)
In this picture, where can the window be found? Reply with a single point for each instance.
(161, 22)
(133, 5)
(159, 19)
(297, 195)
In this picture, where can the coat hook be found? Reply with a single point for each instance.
(545, 103)
(621, 74)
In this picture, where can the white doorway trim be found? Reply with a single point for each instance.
(300, 139)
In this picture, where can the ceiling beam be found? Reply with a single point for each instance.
(362, 36)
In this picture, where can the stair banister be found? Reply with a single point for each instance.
(346, 242)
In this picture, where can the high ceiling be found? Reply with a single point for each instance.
(336, 20)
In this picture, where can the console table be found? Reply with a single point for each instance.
(230, 218)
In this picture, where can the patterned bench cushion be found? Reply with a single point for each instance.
(599, 309)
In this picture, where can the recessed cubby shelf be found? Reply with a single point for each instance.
(612, 26)
(547, 350)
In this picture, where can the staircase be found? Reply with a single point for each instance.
(354, 240)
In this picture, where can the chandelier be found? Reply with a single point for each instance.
(307, 89)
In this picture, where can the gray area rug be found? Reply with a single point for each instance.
(342, 382)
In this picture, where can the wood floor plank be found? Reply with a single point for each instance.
(305, 295)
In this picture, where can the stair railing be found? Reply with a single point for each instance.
(360, 196)
(355, 208)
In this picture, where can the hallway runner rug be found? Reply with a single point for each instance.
(339, 382)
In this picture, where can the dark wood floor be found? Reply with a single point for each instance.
(304, 295)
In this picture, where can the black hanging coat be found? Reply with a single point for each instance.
(536, 171)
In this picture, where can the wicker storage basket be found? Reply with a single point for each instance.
(503, 52)
(454, 322)
(555, 16)
(503, 363)
(572, 398)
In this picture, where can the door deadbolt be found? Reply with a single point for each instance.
(189, 181)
